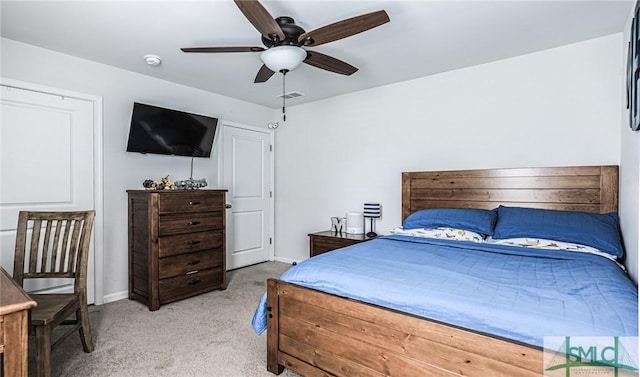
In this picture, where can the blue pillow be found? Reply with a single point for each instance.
(592, 229)
(475, 220)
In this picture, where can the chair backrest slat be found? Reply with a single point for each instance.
(33, 251)
(45, 245)
(74, 245)
(56, 240)
(64, 246)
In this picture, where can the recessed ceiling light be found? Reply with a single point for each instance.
(153, 60)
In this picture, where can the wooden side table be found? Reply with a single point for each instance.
(321, 242)
(14, 326)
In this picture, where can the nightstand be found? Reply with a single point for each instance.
(321, 242)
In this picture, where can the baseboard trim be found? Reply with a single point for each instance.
(286, 260)
(115, 297)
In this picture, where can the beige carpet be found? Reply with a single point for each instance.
(206, 335)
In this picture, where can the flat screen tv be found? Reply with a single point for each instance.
(164, 131)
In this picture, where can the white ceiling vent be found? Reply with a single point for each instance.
(290, 95)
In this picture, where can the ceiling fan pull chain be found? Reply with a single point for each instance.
(284, 115)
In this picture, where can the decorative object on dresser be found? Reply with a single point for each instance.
(190, 184)
(372, 211)
(176, 244)
(338, 224)
(321, 242)
(158, 184)
(355, 223)
(166, 184)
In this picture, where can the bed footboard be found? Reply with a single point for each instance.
(319, 334)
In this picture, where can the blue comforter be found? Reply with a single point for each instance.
(513, 292)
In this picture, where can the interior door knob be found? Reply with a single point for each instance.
(228, 205)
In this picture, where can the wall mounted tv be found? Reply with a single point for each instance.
(164, 131)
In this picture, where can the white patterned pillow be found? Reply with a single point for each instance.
(541, 243)
(442, 233)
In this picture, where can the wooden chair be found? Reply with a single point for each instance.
(55, 245)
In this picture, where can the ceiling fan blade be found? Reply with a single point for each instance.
(344, 28)
(329, 63)
(260, 19)
(264, 74)
(222, 49)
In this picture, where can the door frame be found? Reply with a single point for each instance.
(98, 189)
(220, 153)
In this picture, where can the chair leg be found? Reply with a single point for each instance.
(85, 328)
(43, 351)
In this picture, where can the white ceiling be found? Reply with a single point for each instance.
(423, 38)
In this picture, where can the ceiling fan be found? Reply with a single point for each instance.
(284, 40)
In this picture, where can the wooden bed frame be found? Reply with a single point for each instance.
(319, 334)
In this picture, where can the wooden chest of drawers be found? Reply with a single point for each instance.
(176, 244)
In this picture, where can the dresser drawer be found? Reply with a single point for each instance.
(323, 244)
(190, 202)
(187, 285)
(197, 222)
(190, 242)
(182, 264)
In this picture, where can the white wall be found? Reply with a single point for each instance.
(629, 177)
(559, 107)
(122, 170)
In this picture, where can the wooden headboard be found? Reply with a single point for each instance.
(579, 188)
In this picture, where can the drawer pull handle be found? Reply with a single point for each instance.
(193, 223)
(193, 203)
(193, 242)
(194, 282)
(192, 272)
(193, 262)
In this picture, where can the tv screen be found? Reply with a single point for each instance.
(164, 131)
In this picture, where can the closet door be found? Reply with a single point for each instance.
(46, 163)
(247, 175)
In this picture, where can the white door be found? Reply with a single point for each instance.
(247, 174)
(46, 163)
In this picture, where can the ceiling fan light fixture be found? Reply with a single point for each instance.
(280, 58)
